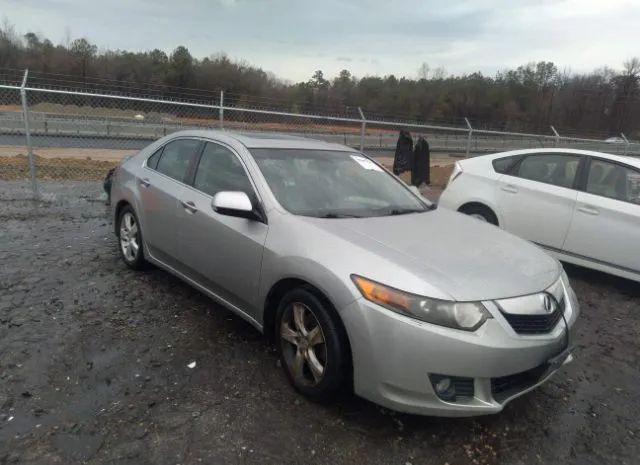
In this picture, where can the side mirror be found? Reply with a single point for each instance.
(233, 203)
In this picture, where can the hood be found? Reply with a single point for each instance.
(461, 256)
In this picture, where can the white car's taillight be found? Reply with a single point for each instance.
(457, 171)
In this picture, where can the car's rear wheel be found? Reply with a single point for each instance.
(312, 345)
(480, 212)
(130, 239)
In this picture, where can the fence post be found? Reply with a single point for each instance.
(362, 129)
(556, 134)
(27, 133)
(626, 143)
(468, 136)
(221, 111)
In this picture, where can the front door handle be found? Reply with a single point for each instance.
(510, 188)
(189, 206)
(144, 182)
(588, 209)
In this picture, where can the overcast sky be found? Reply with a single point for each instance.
(292, 38)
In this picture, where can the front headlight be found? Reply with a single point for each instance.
(467, 316)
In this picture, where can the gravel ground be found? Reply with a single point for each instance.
(94, 369)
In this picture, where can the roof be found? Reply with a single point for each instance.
(627, 159)
(267, 140)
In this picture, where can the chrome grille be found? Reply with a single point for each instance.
(533, 314)
(535, 324)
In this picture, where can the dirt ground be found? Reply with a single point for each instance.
(94, 369)
(112, 155)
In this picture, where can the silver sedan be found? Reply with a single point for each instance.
(362, 283)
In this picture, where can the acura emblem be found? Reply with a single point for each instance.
(549, 303)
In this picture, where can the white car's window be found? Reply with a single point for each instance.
(221, 170)
(505, 164)
(333, 184)
(176, 158)
(613, 180)
(550, 168)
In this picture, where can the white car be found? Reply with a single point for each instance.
(582, 206)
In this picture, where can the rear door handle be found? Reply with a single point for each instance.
(588, 209)
(510, 188)
(189, 206)
(144, 182)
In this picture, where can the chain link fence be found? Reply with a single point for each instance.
(14, 162)
(72, 138)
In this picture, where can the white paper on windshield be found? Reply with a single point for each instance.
(366, 163)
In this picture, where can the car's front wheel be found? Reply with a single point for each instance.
(312, 345)
(130, 239)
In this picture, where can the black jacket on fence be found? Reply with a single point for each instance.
(403, 160)
(421, 172)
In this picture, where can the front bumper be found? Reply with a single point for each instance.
(394, 355)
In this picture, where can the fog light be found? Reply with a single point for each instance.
(443, 386)
(451, 388)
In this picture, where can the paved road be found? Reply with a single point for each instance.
(108, 135)
(69, 141)
(74, 131)
(130, 144)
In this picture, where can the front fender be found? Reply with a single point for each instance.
(278, 268)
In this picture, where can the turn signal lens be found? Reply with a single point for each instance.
(380, 294)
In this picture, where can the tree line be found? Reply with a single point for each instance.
(529, 98)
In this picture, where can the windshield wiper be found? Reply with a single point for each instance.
(338, 215)
(405, 211)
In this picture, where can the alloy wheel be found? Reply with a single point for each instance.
(304, 346)
(129, 237)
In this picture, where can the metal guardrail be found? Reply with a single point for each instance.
(72, 120)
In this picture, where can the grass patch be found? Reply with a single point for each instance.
(55, 169)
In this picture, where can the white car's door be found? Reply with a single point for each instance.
(537, 198)
(606, 222)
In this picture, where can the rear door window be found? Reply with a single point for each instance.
(176, 158)
(550, 168)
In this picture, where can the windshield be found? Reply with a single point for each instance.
(332, 184)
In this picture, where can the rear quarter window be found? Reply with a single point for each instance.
(505, 165)
(152, 161)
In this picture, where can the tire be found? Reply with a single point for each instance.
(481, 213)
(325, 342)
(130, 243)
